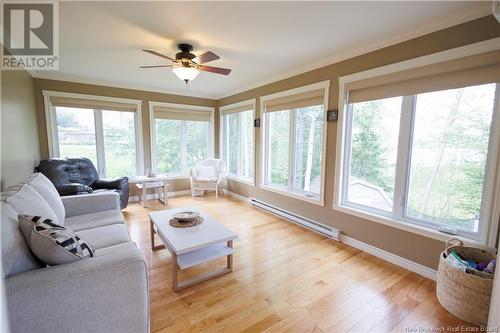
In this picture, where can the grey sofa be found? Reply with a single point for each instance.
(106, 293)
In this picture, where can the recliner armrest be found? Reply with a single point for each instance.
(90, 203)
(110, 184)
(73, 189)
(107, 293)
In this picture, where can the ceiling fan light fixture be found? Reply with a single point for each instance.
(186, 73)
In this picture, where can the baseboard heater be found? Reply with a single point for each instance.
(319, 228)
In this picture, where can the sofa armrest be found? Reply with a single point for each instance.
(110, 184)
(108, 293)
(73, 189)
(90, 203)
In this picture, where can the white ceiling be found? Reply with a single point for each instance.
(100, 42)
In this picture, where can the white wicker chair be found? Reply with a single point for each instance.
(207, 176)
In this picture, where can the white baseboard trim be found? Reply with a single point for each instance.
(154, 196)
(237, 196)
(391, 257)
(375, 251)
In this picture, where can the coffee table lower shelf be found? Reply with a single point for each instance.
(194, 258)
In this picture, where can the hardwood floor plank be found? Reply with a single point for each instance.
(285, 279)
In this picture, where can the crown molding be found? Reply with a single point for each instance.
(65, 78)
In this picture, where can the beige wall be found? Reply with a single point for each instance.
(19, 138)
(420, 249)
(144, 96)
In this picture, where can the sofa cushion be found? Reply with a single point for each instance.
(16, 256)
(48, 191)
(51, 243)
(25, 200)
(105, 236)
(93, 220)
(205, 180)
(116, 249)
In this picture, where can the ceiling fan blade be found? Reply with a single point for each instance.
(216, 70)
(206, 57)
(159, 55)
(154, 66)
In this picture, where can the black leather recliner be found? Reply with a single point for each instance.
(79, 176)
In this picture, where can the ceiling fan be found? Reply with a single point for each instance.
(185, 67)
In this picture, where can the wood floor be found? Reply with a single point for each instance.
(285, 279)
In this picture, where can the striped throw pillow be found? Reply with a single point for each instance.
(52, 243)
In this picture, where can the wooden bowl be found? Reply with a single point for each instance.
(186, 216)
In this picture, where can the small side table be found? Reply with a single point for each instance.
(158, 183)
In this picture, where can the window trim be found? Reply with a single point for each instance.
(491, 195)
(252, 102)
(178, 108)
(51, 126)
(264, 143)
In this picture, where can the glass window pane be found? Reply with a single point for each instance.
(119, 143)
(448, 157)
(374, 142)
(232, 138)
(76, 133)
(279, 138)
(168, 146)
(308, 149)
(197, 142)
(246, 169)
(239, 144)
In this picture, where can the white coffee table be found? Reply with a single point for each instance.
(194, 245)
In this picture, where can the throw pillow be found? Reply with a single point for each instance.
(51, 243)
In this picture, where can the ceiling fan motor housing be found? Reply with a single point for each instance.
(185, 52)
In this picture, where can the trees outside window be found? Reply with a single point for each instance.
(375, 129)
(168, 146)
(76, 133)
(448, 159)
(295, 149)
(180, 145)
(114, 154)
(442, 170)
(238, 146)
(119, 143)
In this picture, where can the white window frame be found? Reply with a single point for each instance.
(52, 135)
(264, 139)
(491, 194)
(177, 108)
(223, 140)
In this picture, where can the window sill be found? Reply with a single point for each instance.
(416, 229)
(295, 195)
(241, 180)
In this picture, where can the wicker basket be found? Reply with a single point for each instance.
(464, 295)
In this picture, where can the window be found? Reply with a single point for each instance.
(119, 143)
(76, 133)
(449, 149)
(181, 137)
(237, 147)
(105, 130)
(293, 137)
(374, 143)
(422, 158)
(168, 146)
(279, 144)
